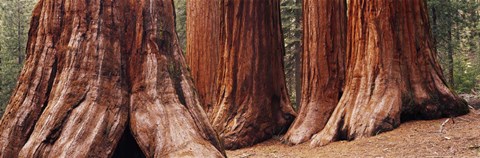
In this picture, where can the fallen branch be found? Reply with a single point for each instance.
(464, 119)
(471, 107)
(473, 110)
(443, 125)
(474, 147)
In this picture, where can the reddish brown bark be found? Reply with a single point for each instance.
(94, 67)
(204, 47)
(392, 73)
(253, 104)
(323, 60)
(165, 114)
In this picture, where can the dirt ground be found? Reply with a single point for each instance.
(459, 138)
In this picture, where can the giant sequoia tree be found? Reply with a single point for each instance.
(97, 67)
(392, 73)
(250, 101)
(204, 38)
(324, 45)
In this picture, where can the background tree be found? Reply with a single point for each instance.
(180, 20)
(14, 18)
(291, 13)
(392, 72)
(454, 26)
(323, 63)
(87, 79)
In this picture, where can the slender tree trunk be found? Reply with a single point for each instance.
(298, 78)
(204, 47)
(95, 68)
(252, 104)
(19, 35)
(298, 61)
(323, 60)
(450, 76)
(392, 73)
(434, 23)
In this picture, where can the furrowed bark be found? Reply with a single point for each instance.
(86, 109)
(253, 104)
(90, 64)
(392, 73)
(204, 48)
(165, 114)
(323, 63)
(28, 99)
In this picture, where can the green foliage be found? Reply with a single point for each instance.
(291, 12)
(465, 74)
(181, 22)
(14, 25)
(456, 29)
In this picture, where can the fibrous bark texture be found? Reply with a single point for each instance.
(252, 104)
(323, 59)
(165, 114)
(70, 99)
(96, 66)
(392, 73)
(204, 47)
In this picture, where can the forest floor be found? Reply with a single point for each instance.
(459, 138)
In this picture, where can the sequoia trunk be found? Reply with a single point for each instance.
(392, 73)
(252, 102)
(323, 59)
(165, 113)
(91, 66)
(204, 47)
(70, 98)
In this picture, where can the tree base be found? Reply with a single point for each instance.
(392, 73)
(100, 73)
(311, 120)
